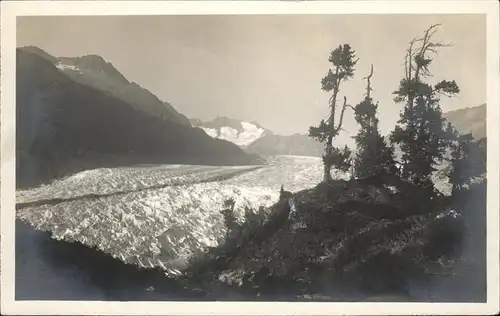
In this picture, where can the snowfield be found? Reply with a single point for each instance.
(160, 215)
(249, 134)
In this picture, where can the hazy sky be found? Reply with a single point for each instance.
(267, 68)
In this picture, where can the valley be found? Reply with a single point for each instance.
(165, 207)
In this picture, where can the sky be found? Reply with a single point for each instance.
(268, 68)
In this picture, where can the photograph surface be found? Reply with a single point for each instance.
(251, 158)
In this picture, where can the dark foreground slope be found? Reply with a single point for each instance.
(48, 269)
(354, 241)
(64, 126)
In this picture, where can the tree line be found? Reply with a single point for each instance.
(423, 135)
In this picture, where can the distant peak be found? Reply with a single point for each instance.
(33, 49)
(257, 124)
(94, 63)
(40, 52)
(94, 59)
(469, 108)
(195, 122)
(224, 120)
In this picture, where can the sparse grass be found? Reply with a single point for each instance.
(343, 233)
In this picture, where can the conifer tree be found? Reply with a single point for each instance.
(421, 132)
(374, 158)
(343, 60)
(468, 160)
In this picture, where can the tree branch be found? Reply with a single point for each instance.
(428, 34)
(344, 107)
(368, 86)
(427, 45)
(409, 58)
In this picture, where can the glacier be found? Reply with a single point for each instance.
(161, 215)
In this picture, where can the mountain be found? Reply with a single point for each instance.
(64, 126)
(297, 144)
(238, 132)
(256, 139)
(469, 120)
(466, 120)
(94, 71)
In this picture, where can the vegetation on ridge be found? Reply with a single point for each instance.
(387, 226)
(377, 232)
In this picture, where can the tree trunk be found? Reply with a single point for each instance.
(327, 176)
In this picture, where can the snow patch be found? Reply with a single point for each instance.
(248, 135)
(63, 66)
(451, 213)
(392, 189)
(212, 132)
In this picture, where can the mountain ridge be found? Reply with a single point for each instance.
(93, 70)
(466, 120)
(469, 120)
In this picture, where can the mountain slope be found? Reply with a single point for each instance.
(297, 144)
(466, 120)
(94, 71)
(469, 120)
(64, 126)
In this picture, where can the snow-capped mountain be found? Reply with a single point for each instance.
(238, 132)
(256, 139)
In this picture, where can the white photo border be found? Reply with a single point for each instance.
(11, 9)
